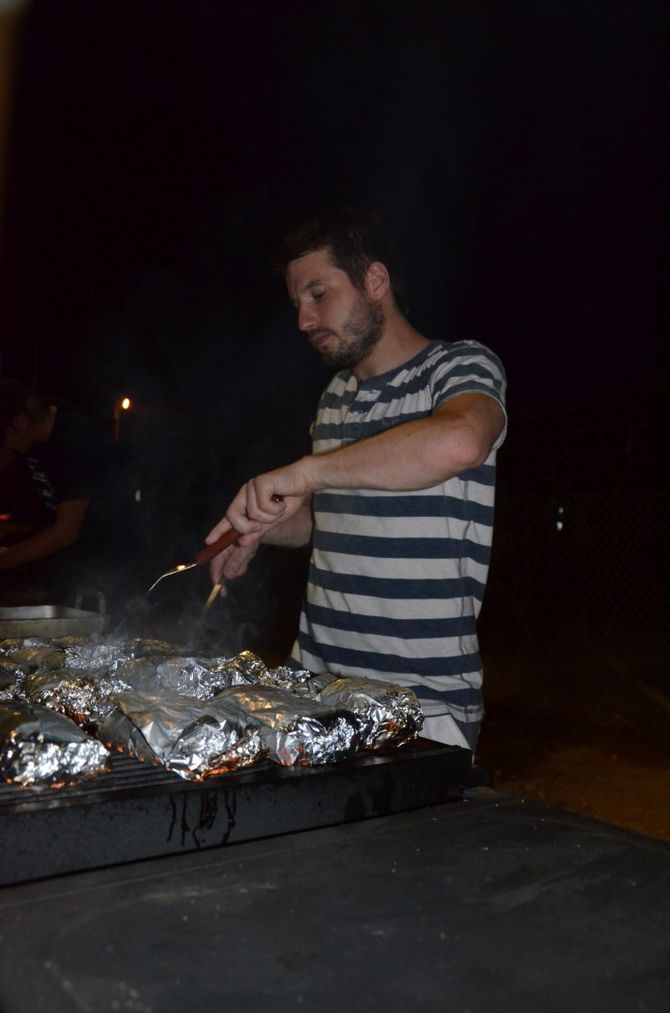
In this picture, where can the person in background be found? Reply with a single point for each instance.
(46, 468)
(397, 495)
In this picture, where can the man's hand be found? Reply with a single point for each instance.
(261, 505)
(273, 497)
(231, 563)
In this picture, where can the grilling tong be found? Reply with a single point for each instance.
(204, 556)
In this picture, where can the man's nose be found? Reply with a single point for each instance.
(307, 317)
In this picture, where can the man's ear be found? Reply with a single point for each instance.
(377, 281)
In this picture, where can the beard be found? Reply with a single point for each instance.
(358, 337)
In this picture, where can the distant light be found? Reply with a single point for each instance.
(559, 525)
(126, 403)
(138, 495)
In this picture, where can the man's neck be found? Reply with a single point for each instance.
(399, 343)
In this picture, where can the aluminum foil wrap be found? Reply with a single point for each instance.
(199, 678)
(200, 716)
(82, 698)
(32, 654)
(11, 677)
(108, 654)
(296, 680)
(294, 731)
(195, 738)
(40, 748)
(389, 714)
(203, 678)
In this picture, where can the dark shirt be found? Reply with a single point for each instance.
(72, 459)
(72, 465)
(23, 507)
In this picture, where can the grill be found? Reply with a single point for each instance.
(138, 812)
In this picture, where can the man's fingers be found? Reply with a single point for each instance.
(216, 568)
(218, 530)
(232, 562)
(263, 503)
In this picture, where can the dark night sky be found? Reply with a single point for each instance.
(161, 149)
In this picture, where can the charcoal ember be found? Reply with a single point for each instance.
(294, 731)
(195, 739)
(41, 748)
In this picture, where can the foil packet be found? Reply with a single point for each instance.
(295, 731)
(83, 698)
(39, 748)
(389, 714)
(195, 739)
(247, 669)
(11, 677)
(197, 678)
(203, 678)
(32, 654)
(108, 655)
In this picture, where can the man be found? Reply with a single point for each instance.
(397, 494)
(44, 483)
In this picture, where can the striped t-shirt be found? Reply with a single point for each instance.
(396, 579)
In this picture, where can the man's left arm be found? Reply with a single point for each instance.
(413, 455)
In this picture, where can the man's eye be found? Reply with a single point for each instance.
(319, 294)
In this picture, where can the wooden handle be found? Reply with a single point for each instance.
(209, 551)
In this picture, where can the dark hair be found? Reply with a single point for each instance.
(16, 399)
(354, 239)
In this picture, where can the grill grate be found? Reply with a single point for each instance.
(127, 774)
(139, 811)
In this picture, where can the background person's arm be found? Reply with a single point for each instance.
(64, 531)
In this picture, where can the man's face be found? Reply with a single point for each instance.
(24, 432)
(343, 323)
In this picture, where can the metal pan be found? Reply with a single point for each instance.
(49, 621)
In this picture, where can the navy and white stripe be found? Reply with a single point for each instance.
(397, 579)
